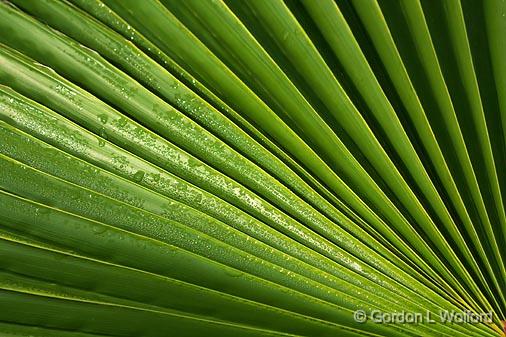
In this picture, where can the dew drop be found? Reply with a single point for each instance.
(103, 118)
(138, 176)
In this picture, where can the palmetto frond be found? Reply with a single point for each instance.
(252, 167)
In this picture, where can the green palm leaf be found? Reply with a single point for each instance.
(252, 168)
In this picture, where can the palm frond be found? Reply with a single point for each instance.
(252, 168)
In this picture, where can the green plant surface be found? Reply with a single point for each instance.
(251, 168)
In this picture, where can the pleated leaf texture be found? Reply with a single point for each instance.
(252, 168)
